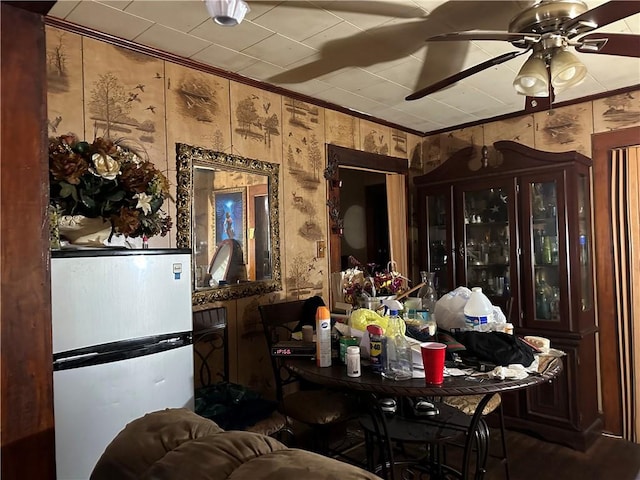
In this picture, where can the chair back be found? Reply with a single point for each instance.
(278, 322)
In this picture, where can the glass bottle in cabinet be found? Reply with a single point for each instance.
(438, 259)
(487, 237)
(584, 249)
(544, 227)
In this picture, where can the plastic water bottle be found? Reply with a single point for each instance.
(398, 357)
(478, 311)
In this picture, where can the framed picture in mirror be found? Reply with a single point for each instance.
(227, 214)
(230, 219)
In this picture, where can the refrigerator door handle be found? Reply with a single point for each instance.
(116, 351)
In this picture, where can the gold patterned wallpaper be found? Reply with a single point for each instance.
(95, 89)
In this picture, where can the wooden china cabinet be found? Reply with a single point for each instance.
(520, 228)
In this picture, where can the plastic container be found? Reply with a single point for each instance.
(478, 311)
(398, 357)
(323, 337)
(353, 361)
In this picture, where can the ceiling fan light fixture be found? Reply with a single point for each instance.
(566, 70)
(532, 79)
(227, 13)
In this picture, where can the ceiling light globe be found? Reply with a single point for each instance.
(566, 71)
(567, 74)
(532, 79)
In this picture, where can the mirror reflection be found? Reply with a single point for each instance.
(228, 216)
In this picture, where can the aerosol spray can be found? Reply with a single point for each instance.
(323, 337)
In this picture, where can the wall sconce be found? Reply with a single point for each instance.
(227, 13)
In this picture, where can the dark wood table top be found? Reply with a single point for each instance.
(336, 377)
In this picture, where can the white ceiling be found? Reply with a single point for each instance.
(367, 61)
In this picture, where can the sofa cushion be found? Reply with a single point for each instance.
(177, 444)
(215, 457)
(297, 464)
(146, 440)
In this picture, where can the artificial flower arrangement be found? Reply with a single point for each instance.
(372, 279)
(108, 180)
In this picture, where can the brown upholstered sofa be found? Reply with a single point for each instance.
(177, 444)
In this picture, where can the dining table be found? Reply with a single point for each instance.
(372, 387)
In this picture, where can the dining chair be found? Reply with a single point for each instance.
(468, 404)
(391, 424)
(210, 336)
(320, 409)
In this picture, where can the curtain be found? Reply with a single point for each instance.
(625, 203)
(398, 221)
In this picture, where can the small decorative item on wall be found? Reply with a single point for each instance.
(230, 221)
(107, 181)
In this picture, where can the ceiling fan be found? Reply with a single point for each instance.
(547, 29)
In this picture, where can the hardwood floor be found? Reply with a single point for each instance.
(533, 459)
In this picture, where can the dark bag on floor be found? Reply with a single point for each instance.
(498, 348)
(232, 406)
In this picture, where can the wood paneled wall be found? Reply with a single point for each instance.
(27, 395)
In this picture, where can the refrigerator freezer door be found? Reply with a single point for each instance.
(103, 299)
(92, 404)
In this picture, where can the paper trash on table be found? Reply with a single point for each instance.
(457, 372)
(515, 371)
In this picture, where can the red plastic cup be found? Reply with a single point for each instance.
(433, 361)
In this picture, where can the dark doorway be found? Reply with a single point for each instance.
(340, 161)
(377, 224)
(363, 206)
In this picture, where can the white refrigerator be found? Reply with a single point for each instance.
(122, 345)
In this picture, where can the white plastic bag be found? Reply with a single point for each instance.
(450, 312)
(450, 309)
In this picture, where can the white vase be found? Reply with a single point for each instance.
(81, 230)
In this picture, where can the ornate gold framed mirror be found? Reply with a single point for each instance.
(227, 214)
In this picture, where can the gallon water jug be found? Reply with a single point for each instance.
(478, 311)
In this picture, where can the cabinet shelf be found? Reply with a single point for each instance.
(487, 265)
(501, 223)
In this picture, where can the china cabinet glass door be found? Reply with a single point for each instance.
(584, 244)
(438, 221)
(545, 289)
(485, 245)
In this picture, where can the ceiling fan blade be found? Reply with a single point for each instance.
(471, 35)
(464, 74)
(603, 15)
(621, 44)
(382, 8)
